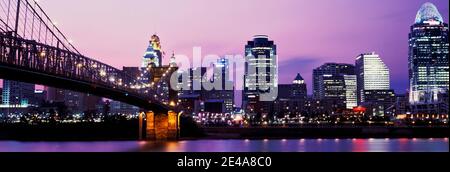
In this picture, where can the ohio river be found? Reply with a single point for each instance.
(263, 145)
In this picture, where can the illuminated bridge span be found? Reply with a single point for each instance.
(34, 50)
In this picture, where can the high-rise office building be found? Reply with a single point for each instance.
(282, 105)
(17, 94)
(428, 60)
(196, 97)
(223, 95)
(299, 90)
(372, 74)
(338, 91)
(222, 72)
(191, 96)
(153, 54)
(374, 91)
(329, 69)
(261, 75)
(333, 85)
(351, 100)
(291, 97)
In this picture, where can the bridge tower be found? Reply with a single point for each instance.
(159, 126)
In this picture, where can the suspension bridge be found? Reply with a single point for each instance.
(34, 50)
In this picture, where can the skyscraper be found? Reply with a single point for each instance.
(17, 94)
(153, 54)
(299, 88)
(338, 91)
(224, 95)
(374, 91)
(372, 74)
(428, 59)
(191, 93)
(299, 95)
(261, 74)
(351, 100)
(291, 97)
(329, 69)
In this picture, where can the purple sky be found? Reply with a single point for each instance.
(308, 32)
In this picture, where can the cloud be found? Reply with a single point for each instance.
(300, 64)
(288, 69)
(300, 60)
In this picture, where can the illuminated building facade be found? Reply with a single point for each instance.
(334, 86)
(378, 102)
(153, 54)
(291, 97)
(372, 74)
(338, 91)
(329, 69)
(17, 94)
(196, 98)
(224, 95)
(192, 98)
(260, 54)
(374, 91)
(351, 100)
(299, 90)
(428, 60)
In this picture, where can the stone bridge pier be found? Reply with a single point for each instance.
(159, 126)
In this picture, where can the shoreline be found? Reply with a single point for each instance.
(343, 132)
(128, 132)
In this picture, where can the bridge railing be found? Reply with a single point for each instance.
(31, 55)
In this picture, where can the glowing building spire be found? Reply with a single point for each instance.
(428, 13)
(153, 54)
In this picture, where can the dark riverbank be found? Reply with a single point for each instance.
(125, 130)
(128, 130)
(327, 132)
(114, 130)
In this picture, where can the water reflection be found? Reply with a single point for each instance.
(265, 145)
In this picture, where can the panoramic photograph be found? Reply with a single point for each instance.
(224, 76)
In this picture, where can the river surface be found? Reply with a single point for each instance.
(263, 145)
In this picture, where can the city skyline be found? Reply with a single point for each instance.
(253, 65)
(296, 47)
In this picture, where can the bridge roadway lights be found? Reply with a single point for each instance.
(159, 127)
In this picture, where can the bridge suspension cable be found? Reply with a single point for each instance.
(27, 19)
